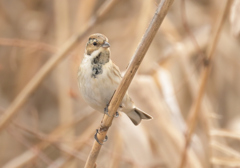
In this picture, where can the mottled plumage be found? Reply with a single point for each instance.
(99, 77)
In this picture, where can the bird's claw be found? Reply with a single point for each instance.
(106, 110)
(95, 136)
(116, 115)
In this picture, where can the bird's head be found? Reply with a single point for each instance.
(97, 49)
(97, 42)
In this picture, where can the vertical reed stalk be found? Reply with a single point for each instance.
(131, 71)
(203, 80)
(62, 72)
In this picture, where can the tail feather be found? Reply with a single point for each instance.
(136, 116)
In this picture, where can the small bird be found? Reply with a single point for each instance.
(99, 77)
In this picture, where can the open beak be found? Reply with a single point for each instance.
(106, 45)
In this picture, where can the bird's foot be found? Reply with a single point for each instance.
(95, 136)
(116, 115)
(106, 110)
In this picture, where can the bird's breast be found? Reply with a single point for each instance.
(96, 87)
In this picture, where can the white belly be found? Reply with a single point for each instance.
(98, 91)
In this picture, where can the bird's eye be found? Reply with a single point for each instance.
(94, 43)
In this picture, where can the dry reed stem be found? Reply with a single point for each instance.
(234, 18)
(28, 44)
(144, 15)
(84, 13)
(186, 49)
(78, 144)
(131, 70)
(29, 155)
(22, 140)
(224, 133)
(203, 80)
(229, 162)
(59, 144)
(206, 108)
(225, 149)
(67, 47)
(188, 71)
(187, 28)
(62, 72)
(41, 156)
(35, 81)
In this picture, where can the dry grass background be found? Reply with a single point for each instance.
(55, 127)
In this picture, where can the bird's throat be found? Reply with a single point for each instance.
(98, 62)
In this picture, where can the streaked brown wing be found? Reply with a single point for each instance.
(116, 70)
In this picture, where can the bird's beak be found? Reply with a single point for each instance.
(106, 45)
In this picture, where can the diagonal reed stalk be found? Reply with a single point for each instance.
(30, 154)
(194, 111)
(138, 56)
(67, 47)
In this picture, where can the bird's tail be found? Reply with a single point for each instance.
(136, 115)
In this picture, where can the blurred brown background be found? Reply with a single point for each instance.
(55, 127)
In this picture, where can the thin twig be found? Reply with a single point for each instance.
(67, 47)
(225, 149)
(43, 137)
(225, 133)
(27, 44)
(228, 162)
(204, 76)
(188, 30)
(25, 143)
(52, 137)
(131, 70)
(77, 145)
